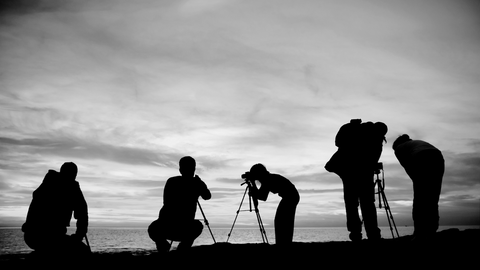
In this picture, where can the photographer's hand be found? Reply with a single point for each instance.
(253, 190)
(78, 237)
(204, 191)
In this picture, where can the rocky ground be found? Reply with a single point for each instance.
(448, 249)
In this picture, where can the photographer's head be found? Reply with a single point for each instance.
(187, 166)
(402, 139)
(381, 129)
(69, 171)
(258, 171)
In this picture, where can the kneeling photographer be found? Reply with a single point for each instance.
(285, 216)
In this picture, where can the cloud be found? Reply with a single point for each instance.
(127, 88)
(462, 169)
(320, 191)
(69, 148)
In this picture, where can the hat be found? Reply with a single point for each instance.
(258, 169)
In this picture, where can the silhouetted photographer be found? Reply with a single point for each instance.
(359, 149)
(54, 201)
(176, 219)
(285, 216)
(425, 165)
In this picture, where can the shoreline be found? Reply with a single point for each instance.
(452, 246)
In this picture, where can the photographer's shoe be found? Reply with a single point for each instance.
(355, 237)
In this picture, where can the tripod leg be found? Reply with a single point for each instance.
(238, 211)
(390, 215)
(262, 228)
(206, 222)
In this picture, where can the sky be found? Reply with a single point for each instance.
(126, 88)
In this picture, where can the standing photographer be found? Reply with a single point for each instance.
(359, 149)
(425, 165)
(285, 216)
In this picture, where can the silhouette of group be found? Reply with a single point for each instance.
(359, 145)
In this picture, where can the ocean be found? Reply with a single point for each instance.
(102, 239)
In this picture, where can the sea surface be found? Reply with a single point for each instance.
(103, 239)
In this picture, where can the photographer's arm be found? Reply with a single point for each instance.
(80, 213)
(206, 195)
(204, 191)
(263, 193)
(260, 194)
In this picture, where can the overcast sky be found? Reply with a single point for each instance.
(126, 88)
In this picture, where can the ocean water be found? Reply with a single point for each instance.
(136, 239)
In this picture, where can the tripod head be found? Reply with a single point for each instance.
(378, 168)
(380, 183)
(252, 190)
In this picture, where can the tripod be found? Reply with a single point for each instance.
(382, 198)
(88, 244)
(206, 221)
(257, 212)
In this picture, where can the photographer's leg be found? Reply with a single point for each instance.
(193, 231)
(354, 224)
(367, 206)
(156, 232)
(285, 221)
(427, 184)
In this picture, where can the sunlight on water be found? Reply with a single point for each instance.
(136, 239)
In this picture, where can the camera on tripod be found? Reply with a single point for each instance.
(378, 168)
(380, 183)
(248, 178)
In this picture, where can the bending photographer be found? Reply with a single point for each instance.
(285, 216)
(425, 165)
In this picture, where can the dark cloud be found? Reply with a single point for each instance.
(205, 163)
(320, 178)
(141, 183)
(233, 181)
(320, 191)
(29, 6)
(462, 170)
(154, 192)
(463, 200)
(4, 186)
(460, 210)
(70, 148)
(9, 221)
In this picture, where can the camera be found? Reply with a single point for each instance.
(378, 167)
(247, 176)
